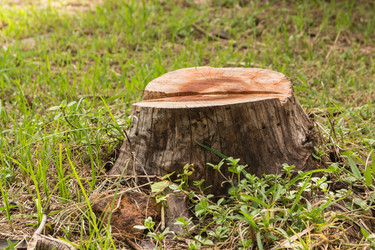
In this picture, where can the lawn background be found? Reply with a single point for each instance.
(69, 72)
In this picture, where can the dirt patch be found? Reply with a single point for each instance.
(128, 210)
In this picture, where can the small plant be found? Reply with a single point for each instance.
(149, 225)
(262, 207)
(199, 241)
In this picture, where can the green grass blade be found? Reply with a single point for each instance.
(212, 150)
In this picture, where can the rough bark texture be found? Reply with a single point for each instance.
(252, 114)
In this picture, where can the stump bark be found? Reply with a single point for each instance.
(247, 113)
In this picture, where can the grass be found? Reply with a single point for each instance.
(70, 72)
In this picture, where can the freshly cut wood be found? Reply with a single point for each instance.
(246, 113)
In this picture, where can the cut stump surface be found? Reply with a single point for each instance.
(246, 113)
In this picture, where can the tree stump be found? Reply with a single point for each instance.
(247, 113)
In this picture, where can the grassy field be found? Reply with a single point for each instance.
(69, 72)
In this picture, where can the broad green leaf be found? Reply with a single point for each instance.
(356, 172)
(158, 187)
(208, 242)
(249, 218)
(71, 103)
(368, 176)
(246, 197)
(54, 108)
